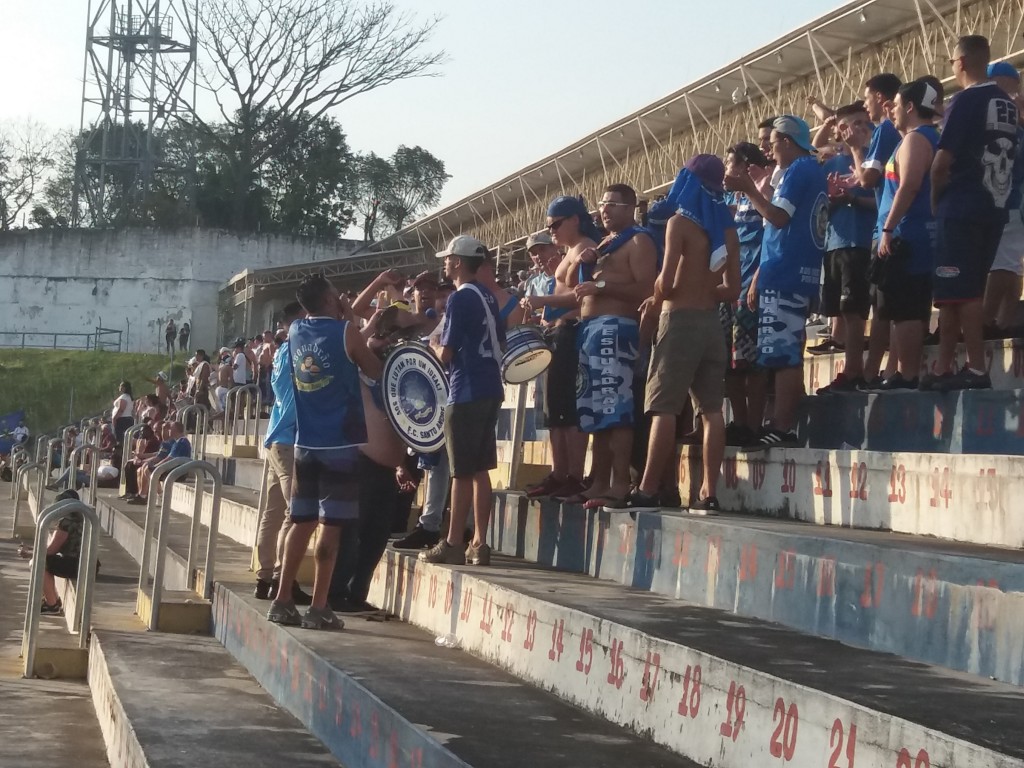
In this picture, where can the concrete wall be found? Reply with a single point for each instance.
(66, 281)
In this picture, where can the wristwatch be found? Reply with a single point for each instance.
(600, 285)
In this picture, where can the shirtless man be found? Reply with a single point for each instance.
(560, 314)
(611, 282)
(690, 352)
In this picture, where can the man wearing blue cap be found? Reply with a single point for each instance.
(1004, 285)
(796, 219)
(972, 180)
(610, 283)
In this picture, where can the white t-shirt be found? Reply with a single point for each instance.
(21, 434)
(241, 371)
(126, 408)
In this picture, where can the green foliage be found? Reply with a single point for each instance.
(40, 381)
(391, 192)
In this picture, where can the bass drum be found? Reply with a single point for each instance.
(415, 390)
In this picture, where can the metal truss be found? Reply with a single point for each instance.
(126, 104)
(830, 59)
(349, 269)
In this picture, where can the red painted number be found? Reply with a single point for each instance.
(689, 704)
(531, 630)
(904, 760)
(785, 570)
(836, 740)
(506, 632)
(652, 666)
(618, 670)
(789, 476)
(732, 479)
(449, 596)
(871, 597)
(487, 620)
(374, 735)
(748, 562)
(898, 484)
(822, 479)
(467, 605)
(926, 594)
(681, 557)
(586, 652)
(987, 494)
(757, 473)
(416, 758)
(735, 709)
(787, 720)
(941, 492)
(859, 481)
(557, 631)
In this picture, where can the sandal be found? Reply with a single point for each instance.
(605, 502)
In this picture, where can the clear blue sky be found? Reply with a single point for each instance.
(522, 80)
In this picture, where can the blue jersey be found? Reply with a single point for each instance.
(180, 449)
(917, 226)
(849, 226)
(750, 231)
(980, 131)
(281, 429)
(884, 139)
(791, 255)
(475, 337)
(328, 402)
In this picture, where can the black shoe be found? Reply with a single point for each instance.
(355, 607)
(826, 347)
(931, 339)
(934, 382)
(896, 383)
(57, 609)
(738, 434)
(298, 596)
(708, 506)
(638, 501)
(774, 438)
(418, 538)
(670, 498)
(842, 384)
(874, 385)
(264, 590)
(965, 379)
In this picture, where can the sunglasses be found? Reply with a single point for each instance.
(614, 204)
(554, 225)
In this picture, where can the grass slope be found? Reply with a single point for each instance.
(43, 381)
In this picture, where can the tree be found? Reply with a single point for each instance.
(26, 155)
(276, 66)
(373, 187)
(417, 180)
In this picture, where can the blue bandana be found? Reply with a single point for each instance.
(704, 207)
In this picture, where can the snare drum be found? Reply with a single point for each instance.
(415, 391)
(527, 355)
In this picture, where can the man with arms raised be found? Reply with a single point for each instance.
(611, 283)
(689, 350)
(325, 355)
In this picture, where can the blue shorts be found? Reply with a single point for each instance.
(325, 485)
(608, 347)
(782, 328)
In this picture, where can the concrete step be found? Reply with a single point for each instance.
(938, 601)
(383, 693)
(1004, 360)
(719, 689)
(963, 498)
(170, 700)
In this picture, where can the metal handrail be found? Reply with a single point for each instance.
(159, 471)
(199, 469)
(41, 443)
(246, 393)
(83, 585)
(127, 441)
(202, 427)
(94, 453)
(64, 435)
(91, 434)
(16, 453)
(20, 473)
(52, 443)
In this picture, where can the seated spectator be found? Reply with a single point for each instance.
(146, 447)
(179, 448)
(21, 433)
(62, 553)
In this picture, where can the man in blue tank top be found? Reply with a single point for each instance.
(326, 355)
(904, 296)
(972, 178)
(471, 346)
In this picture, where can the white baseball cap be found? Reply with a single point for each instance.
(464, 245)
(539, 238)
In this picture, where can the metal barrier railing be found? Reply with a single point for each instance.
(41, 442)
(248, 397)
(64, 451)
(200, 429)
(91, 434)
(83, 585)
(93, 451)
(200, 470)
(51, 445)
(126, 454)
(17, 456)
(22, 473)
(159, 471)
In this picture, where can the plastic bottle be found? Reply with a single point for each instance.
(447, 641)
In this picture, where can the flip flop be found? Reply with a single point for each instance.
(605, 502)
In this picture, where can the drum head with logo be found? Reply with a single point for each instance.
(415, 391)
